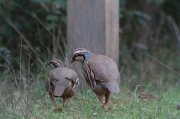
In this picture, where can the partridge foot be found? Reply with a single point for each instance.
(105, 107)
(58, 109)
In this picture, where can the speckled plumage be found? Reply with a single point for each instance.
(100, 72)
(61, 81)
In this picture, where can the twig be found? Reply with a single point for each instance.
(20, 57)
(164, 64)
(174, 28)
(159, 98)
(22, 35)
(17, 86)
(27, 88)
(58, 38)
(16, 100)
(136, 91)
(58, 35)
(34, 16)
(40, 72)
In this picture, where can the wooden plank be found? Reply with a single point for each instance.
(112, 29)
(93, 24)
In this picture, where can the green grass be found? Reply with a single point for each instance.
(85, 105)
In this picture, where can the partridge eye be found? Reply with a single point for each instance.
(80, 54)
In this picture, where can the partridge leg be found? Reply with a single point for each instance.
(107, 97)
(64, 101)
(59, 109)
(101, 100)
(52, 98)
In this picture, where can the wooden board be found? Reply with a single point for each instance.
(94, 25)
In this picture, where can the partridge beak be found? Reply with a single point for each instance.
(49, 63)
(73, 58)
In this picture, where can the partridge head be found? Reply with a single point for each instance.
(61, 81)
(56, 63)
(100, 72)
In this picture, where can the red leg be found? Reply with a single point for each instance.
(64, 101)
(52, 98)
(107, 97)
(101, 100)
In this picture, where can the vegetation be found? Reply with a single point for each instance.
(33, 32)
(86, 105)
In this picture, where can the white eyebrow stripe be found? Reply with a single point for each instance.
(57, 63)
(79, 51)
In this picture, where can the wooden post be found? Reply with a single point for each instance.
(94, 25)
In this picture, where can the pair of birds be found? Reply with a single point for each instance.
(100, 72)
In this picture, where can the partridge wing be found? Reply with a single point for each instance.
(58, 78)
(104, 68)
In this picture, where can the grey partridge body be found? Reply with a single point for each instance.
(61, 81)
(100, 72)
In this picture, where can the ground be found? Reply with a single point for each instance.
(85, 105)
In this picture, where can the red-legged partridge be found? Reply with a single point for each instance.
(61, 81)
(100, 72)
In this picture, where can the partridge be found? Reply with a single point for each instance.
(61, 81)
(101, 73)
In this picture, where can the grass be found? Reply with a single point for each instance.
(85, 105)
(33, 103)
